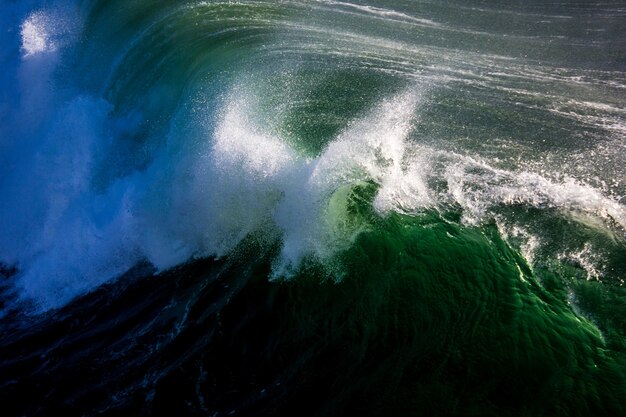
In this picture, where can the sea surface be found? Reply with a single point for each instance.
(312, 208)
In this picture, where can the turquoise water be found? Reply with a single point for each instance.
(313, 208)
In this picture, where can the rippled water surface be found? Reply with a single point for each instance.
(313, 208)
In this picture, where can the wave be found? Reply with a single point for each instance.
(302, 207)
(101, 176)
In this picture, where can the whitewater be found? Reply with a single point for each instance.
(430, 164)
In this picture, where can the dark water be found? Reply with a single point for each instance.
(313, 208)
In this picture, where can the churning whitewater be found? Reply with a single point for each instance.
(279, 208)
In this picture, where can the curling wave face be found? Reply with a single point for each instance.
(413, 205)
(171, 133)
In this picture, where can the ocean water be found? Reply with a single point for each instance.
(324, 208)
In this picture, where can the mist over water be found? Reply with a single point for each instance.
(250, 206)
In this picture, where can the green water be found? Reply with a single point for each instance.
(398, 207)
(515, 308)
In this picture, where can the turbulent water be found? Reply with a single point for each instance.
(323, 208)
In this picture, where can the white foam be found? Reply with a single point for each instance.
(372, 148)
(478, 187)
(260, 181)
(46, 30)
(529, 244)
(64, 237)
(35, 38)
(586, 258)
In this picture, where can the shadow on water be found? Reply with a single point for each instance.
(431, 319)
